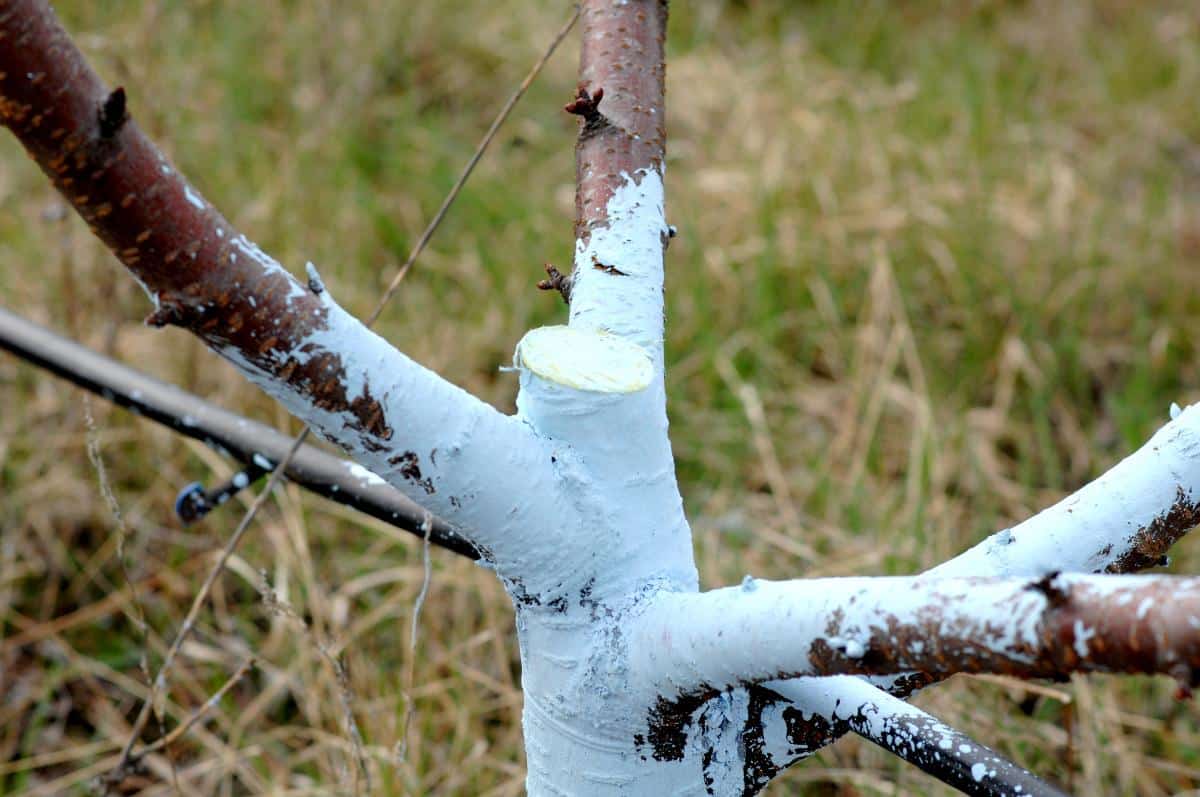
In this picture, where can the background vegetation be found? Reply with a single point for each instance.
(937, 265)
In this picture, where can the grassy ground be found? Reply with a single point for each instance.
(936, 266)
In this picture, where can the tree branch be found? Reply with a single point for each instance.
(620, 228)
(1122, 522)
(1027, 628)
(841, 703)
(433, 441)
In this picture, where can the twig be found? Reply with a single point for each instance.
(199, 713)
(556, 281)
(410, 670)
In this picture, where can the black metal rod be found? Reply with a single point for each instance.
(249, 442)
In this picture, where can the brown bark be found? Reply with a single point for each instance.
(622, 78)
(206, 277)
(1151, 625)
(1150, 543)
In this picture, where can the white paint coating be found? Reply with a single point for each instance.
(366, 477)
(576, 501)
(1082, 635)
(192, 197)
(314, 278)
(773, 629)
(592, 396)
(776, 629)
(1094, 527)
(487, 473)
(629, 304)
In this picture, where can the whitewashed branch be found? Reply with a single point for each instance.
(489, 475)
(618, 278)
(1122, 522)
(1043, 628)
(839, 703)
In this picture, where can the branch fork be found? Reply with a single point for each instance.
(574, 500)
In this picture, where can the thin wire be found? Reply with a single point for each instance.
(277, 474)
(470, 167)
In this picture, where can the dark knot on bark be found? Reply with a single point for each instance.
(112, 114)
(1054, 593)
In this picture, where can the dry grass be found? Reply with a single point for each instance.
(936, 267)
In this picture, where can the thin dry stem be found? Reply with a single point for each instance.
(182, 729)
(414, 629)
(282, 608)
(470, 167)
(121, 530)
(201, 598)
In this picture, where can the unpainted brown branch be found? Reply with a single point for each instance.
(621, 63)
(1148, 625)
(203, 274)
(1027, 628)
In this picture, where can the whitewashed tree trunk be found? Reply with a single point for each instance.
(636, 682)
